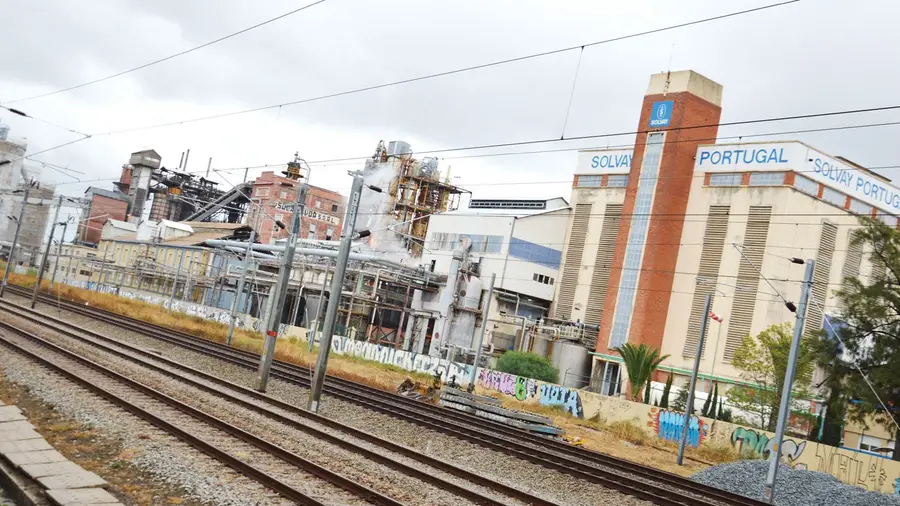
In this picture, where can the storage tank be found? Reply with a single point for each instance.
(573, 362)
(4, 132)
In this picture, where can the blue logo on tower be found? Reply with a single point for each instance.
(661, 114)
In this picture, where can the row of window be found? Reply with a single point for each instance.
(442, 241)
(596, 181)
(805, 185)
(540, 278)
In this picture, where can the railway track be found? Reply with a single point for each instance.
(288, 415)
(651, 484)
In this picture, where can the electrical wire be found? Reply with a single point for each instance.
(167, 58)
(459, 70)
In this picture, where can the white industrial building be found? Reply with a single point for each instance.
(518, 241)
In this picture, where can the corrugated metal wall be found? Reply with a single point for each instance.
(744, 301)
(573, 261)
(707, 274)
(821, 274)
(606, 248)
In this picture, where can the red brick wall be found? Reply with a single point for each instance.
(101, 210)
(676, 174)
(265, 223)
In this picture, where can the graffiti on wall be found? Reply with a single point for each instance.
(853, 468)
(524, 389)
(748, 441)
(408, 360)
(668, 425)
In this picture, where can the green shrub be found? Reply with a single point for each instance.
(528, 365)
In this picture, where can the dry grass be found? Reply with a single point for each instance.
(716, 452)
(627, 430)
(382, 376)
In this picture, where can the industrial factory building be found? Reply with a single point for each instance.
(656, 228)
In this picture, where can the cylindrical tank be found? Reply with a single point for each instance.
(4, 132)
(573, 362)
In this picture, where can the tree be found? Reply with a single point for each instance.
(664, 401)
(680, 402)
(870, 331)
(528, 365)
(640, 362)
(762, 362)
(709, 407)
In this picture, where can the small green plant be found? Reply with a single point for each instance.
(528, 365)
(640, 362)
(664, 401)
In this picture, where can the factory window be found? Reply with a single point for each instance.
(835, 197)
(318, 204)
(329, 233)
(283, 194)
(730, 179)
(536, 253)
(480, 243)
(279, 217)
(262, 192)
(312, 227)
(589, 181)
(85, 273)
(617, 181)
(806, 185)
(540, 278)
(311, 234)
(869, 443)
(888, 219)
(766, 178)
(637, 236)
(860, 207)
(334, 208)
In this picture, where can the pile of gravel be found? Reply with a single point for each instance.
(792, 487)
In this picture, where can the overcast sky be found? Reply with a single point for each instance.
(811, 56)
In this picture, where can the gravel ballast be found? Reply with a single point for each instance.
(552, 485)
(792, 487)
(167, 459)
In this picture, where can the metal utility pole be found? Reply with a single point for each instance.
(65, 225)
(175, 280)
(40, 277)
(103, 268)
(689, 409)
(240, 286)
(337, 281)
(784, 409)
(12, 252)
(484, 324)
(319, 306)
(279, 291)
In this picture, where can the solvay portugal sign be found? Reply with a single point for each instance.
(661, 113)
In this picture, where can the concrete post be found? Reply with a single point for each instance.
(11, 259)
(40, 276)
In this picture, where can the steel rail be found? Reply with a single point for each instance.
(266, 479)
(42, 319)
(578, 462)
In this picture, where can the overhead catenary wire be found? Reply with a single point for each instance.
(167, 58)
(462, 69)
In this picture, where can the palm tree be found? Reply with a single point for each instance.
(640, 362)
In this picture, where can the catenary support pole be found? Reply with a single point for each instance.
(279, 291)
(784, 410)
(240, 286)
(40, 275)
(320, 306)
(334, 301)
(484, 325)
(689, 409)
(58, 254)
(103, 267)
(10, 260)
(175, 279)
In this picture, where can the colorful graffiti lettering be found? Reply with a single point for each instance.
(750, 441)
(519, 387)
(569, 399)
(896, 486)
(668, 425)
(410, 361)
(854, 468)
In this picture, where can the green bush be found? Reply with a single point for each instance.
(528, 365)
